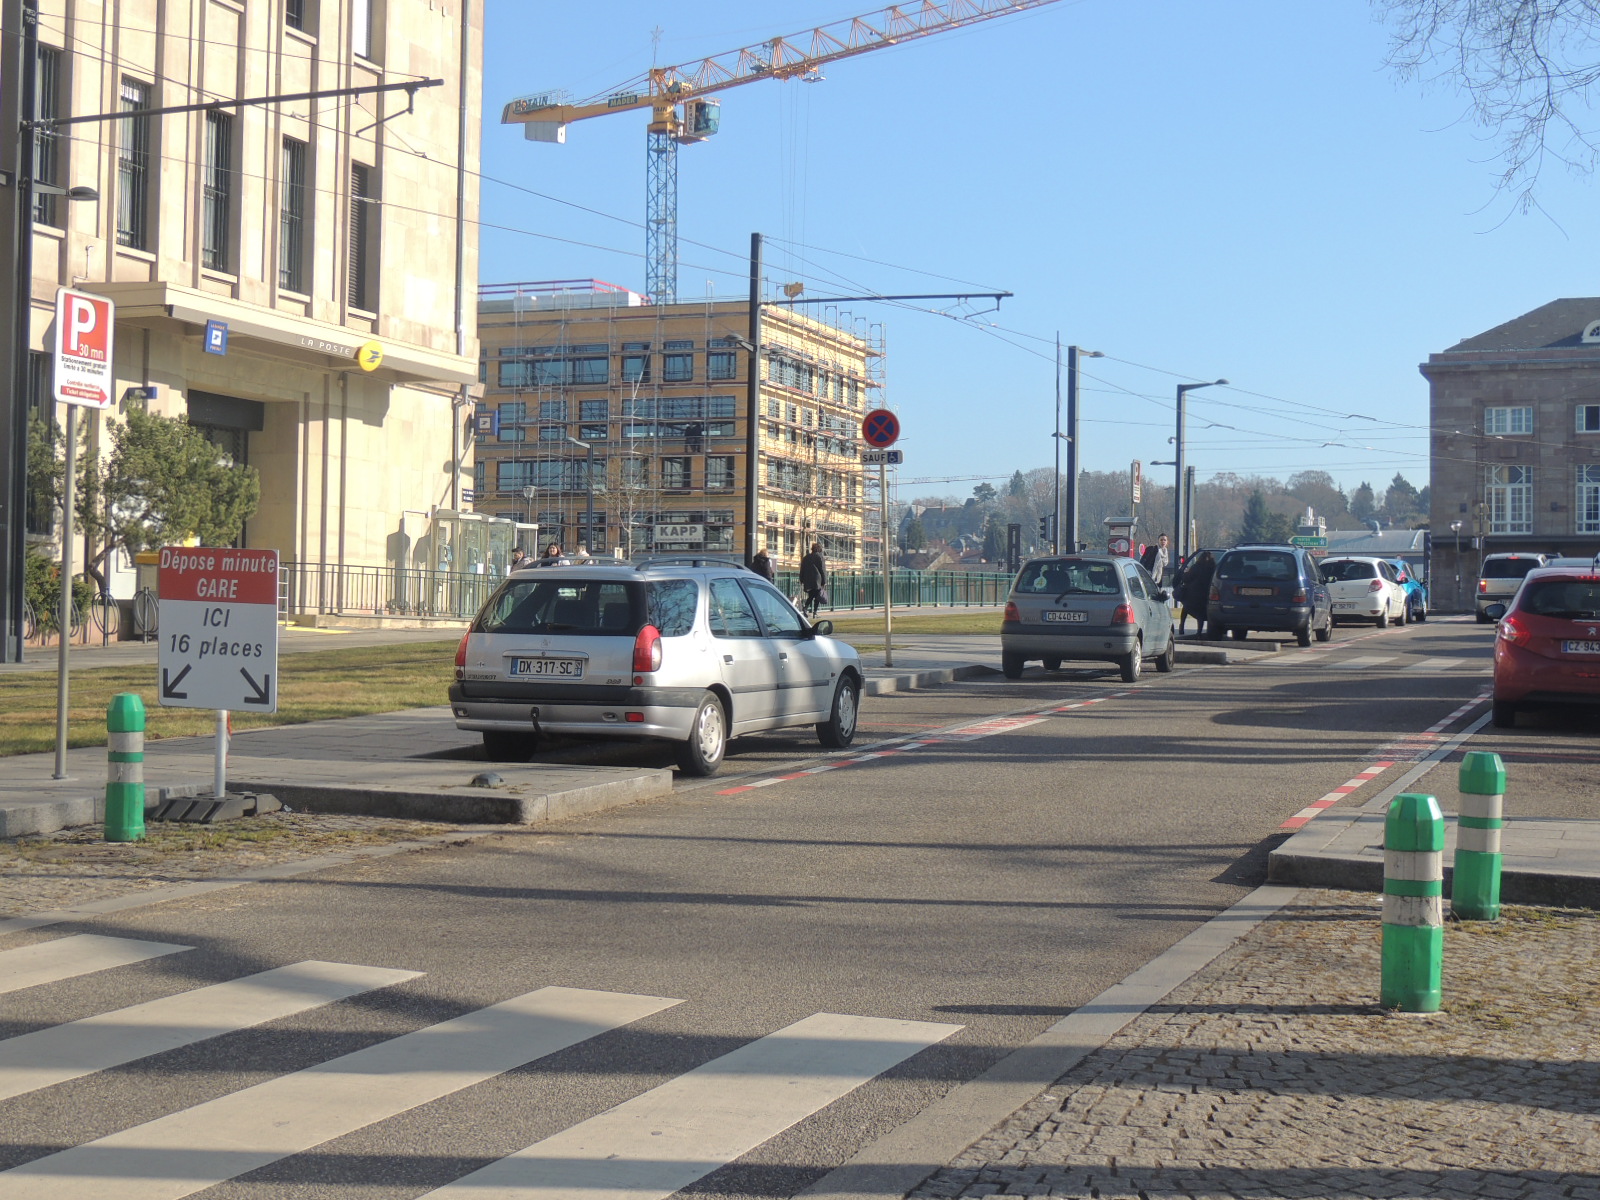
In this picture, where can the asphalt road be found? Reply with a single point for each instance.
(1015, 848)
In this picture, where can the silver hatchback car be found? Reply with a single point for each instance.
(692, 653)
(1099, 607)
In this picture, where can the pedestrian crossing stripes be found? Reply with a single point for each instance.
(1358, 662)
(80, 954)
(648, 1147)
(1435, 664)
(655, 1144)
(63, 1052)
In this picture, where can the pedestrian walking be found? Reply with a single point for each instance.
(518, 556)
(1194, 590)
(814, 580)
(1155, 559)
(762, 563)
(551, 556)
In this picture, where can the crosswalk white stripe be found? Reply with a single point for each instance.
(50, 1056)
(665, 1139)
(191, 1150)
(1436, 664)
(1359, 661)
(80, 954)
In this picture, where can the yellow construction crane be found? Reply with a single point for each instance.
(680, 112)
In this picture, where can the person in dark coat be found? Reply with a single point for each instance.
(1194, 589)
(762, 563)
(814, 579)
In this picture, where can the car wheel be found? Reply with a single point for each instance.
(1326, 632)
(1420, 615)
(1011, 665)
(1302, 636)
(839, 730)
(1504, 714)
(1401, 619)
(1482, 620)
(1215, 632)
(1239, 635)
(1383, 619)
(1132, 662)
(702, 753)
(1168, 657)
(499, 746)
(1052, 664)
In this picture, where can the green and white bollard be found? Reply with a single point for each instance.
(1413, 904)
(1475, 886)
(125, 768)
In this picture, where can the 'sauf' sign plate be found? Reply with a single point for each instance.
(218, 622)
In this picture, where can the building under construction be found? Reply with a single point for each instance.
(656, 396)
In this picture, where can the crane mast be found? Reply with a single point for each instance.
(680, 113)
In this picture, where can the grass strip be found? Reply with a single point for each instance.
(978, 622)
(316, 685)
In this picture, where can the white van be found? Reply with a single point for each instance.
(1499, 578)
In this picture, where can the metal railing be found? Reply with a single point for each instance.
(411, 592)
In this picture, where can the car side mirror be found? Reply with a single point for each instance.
(1162, 595)
(1494, 611)
(823, 627)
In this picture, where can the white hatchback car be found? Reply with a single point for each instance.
(693, 653)
(1365, 589)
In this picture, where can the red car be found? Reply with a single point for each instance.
(1547, 643)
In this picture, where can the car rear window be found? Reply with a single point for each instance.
(1271, 565)
(1507, 568)
(1339, 570)
(1578, 599)
(1069, 576)
(672, 603)
(582, 607)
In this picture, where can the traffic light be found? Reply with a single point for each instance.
(1044, 529)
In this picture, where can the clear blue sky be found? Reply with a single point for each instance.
(1234, 188)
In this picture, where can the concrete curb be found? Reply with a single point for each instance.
(19, 820)
(515, 804)
(883, 685)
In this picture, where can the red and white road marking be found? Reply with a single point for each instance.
(1333, 797)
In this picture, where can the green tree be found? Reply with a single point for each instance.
(994, 539)
(1400, 501)
(1018, 487)
(1255, 526)
(913, 537)
(984, 493)
(164, 482)
(1362, 502)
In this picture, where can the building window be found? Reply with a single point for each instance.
(133, 167)
(719, 472)
(635, 472)
(1589, 418)
(512, 433)
(514, 476)
(361, 28)
(363, 237)
(217, 192)
(635, 368)
(480, 478)
(1510, 499)
(677, 368)
(552, 410)
(675, 474)
(592, 433)
(292, 216)
(589, 371)
(552, 433)
(1589, 499)
(514, 412)
(722, 366)
(593, 410)
(294, 14)
(47, 141)
(1518, 419)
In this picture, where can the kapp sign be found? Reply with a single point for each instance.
(83, 348)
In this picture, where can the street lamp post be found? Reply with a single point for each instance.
(1069, 543)
(588, 473)
(1180, 524)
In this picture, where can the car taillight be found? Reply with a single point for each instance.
(1123, 615)
(1300, 596)
(1375, 586)
(461, 655)
(1514, 632)
(1012, 613)
(647, 649)
(1483, 585)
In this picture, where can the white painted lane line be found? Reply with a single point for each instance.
(664, 1140)
(199, 1147)
(1435, 664)
(50, 1056)
(80, 954)
(1359, 661)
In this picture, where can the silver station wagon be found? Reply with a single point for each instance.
(693, 652)
(1099, 607)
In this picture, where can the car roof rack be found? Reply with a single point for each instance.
(645, 562)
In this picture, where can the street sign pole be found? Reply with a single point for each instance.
(888, 577)
(64, 611)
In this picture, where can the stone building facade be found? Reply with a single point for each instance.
(1515, 442)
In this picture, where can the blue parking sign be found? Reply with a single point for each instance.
(216, 337)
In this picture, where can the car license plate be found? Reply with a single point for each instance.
(562, 668)
(1344, 604)
(1250, 591)
(1580, 647)
(1056, 616)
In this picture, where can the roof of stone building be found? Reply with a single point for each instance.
(1557, 324)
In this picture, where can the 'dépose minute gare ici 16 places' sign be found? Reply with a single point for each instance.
(218, 617)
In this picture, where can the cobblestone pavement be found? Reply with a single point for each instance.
(1272, 1073)
(74, 866)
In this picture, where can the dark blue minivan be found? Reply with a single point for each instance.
(1272, 588)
